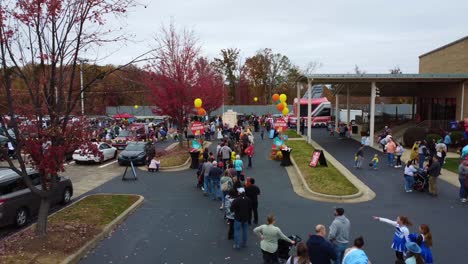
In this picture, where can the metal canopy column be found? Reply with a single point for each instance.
(337, 111)
(348, 119)
(298, 107)
(372, 114)
(309, 110)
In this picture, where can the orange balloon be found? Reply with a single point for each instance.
(280, 107)
(201, 112)
(275, 97)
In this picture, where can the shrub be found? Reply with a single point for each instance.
(413, 134)
(457, 137)
(435, 137)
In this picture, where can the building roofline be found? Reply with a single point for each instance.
(444, 46)
(385, 76)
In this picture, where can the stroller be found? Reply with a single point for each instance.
(284, 247)
(421, 182)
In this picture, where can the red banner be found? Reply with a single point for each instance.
(197, 128)
(281, 125)
(315, 159)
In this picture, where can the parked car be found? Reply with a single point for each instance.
(18, 204)
(136, 152)
(107, 152)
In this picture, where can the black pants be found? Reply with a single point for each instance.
(399, 255)
(398, 160)
(269, 257)
(254, 213)
(250, 162)
(231, 229)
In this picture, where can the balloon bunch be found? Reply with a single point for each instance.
(281, 105)
(198, 105)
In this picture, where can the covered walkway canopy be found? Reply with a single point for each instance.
(395, 85)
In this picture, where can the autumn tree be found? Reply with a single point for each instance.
(177, 74)
(230, 66)
(40, 45)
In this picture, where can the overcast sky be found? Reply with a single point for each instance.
(376, 35)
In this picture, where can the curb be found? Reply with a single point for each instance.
(364, 193)
(83, 251)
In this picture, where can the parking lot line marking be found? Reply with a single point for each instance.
(102, 166)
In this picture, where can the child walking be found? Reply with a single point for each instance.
(359, 157)
(375, 162)
(154, 165)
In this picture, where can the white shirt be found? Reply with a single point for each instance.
(410, 170)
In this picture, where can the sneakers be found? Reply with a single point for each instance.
(408, 191)
(463, 200)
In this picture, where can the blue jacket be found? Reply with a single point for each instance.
(320, 250)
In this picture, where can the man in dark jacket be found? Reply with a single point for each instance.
(252, 191)
(320, 250)
(241, 206)
(433, 171)
(214, 175)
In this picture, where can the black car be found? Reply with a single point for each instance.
(134, 151)
(18, 204)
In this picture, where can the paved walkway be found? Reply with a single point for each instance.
(177, 224)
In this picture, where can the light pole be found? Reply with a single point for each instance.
(81, 84)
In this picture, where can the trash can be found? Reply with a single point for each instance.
(354, 129)
(286, 161)
(195, 155)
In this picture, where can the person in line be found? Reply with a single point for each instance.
(302, 255)
(358, 157)
(250, 152)
(339, 233)
(410, 170)
(320, 250)
(205, 174)
(252, 191)
(414, 152)
(422, 152)
(269, 235)
(433, 171)
(355, 254)
(226, 186)
(205, 154)
(262, 132)
(424, 241)
(413, 254)
(230, 215)
(462, 173)
(398, 153)
(401, 236)
(391, 148)
(225, 153)
(241, 207)
(239, 165)
(214, 177)
(448, 139)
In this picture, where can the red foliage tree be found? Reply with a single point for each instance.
(178, 75)
(40, 41)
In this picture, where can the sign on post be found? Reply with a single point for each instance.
(318, 156)
(197, 128)
(281, 125)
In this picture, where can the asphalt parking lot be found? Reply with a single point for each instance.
(86, 177)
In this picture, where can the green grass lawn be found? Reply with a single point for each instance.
(451, 164)
(176, 157)
(292, 133)
(326, 180)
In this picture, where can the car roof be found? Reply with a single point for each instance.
(7, 174)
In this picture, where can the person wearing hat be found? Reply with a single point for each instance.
(241, 206)
(413, 256)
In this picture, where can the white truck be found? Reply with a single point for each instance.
(352, 115)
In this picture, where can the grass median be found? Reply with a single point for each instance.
(175, 157)
(68, 230)
(292, 133)
(326, 180)
(452, 164)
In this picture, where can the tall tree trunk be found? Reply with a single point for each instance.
(41, 226)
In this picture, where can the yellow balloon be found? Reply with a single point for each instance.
(198, 103)
(255, 99)
(135, 106)
(283, 98)
(285, 111)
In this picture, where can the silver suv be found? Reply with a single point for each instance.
(18, 204)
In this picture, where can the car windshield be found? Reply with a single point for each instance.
(135, 147)
(124, 133)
